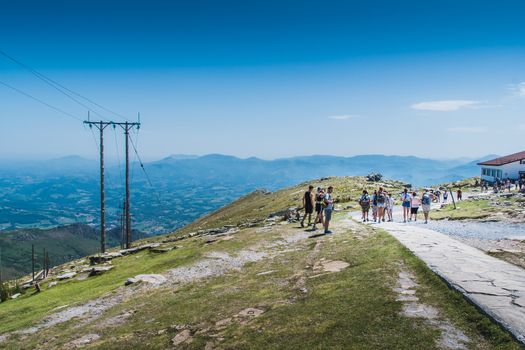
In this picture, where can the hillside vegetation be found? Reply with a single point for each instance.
(266, 284)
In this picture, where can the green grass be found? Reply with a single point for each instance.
(352, 309)
(466, 210)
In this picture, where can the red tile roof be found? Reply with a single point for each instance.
(511, 158)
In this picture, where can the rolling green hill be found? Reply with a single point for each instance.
(257, 283)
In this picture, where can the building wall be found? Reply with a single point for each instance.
(511, 171)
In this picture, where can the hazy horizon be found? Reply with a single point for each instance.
(270, 79)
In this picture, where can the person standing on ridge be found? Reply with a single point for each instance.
(364, 202)
(405, 203)
(308, 205)
(390, 207)
(426, 201)
(328, 209)
(415, 202)
(381, 204)
(460, 194)
(319, 197)
(374, 206)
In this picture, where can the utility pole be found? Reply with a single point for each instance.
(1, 280)
(126, 126)
(33, 260)
(101, 126)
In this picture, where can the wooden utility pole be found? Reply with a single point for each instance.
(101, 126)
(452, 196)
(33, 260)
(1, 279)
(126, 126)
(44, 264)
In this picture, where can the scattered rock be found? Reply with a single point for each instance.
(103, 258)
(154, 279)
(182, 337)
(84, 340)
(334, 266)
(223, 323)
(67, 275)
(265, 273)
(99, 270)
(52, 284)
(248, 314)
(161, 250)
(14, 296)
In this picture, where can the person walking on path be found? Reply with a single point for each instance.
(390, 207)
(364, 202)
(405, 203)
(319, 198)
(381, 204)
(415, 202)
(445, 197)
(460, 194)
(308, 205)
(426, 201)
(374, 206)
(328, 209)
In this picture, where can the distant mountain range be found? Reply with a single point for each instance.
(64, 191)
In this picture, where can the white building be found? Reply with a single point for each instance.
(509, 167)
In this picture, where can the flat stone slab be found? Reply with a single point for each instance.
(495, 286)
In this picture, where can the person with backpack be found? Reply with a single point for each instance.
(319, 198)
(426, 201)
(308, 205)
(390, 207)
(415, 202)
(405, 203)
(381, 204)
(364, 202)
(445, 197)
(328, 209)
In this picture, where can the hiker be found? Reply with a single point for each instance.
(460, 194)
(364, 202)
(445, 197)
(328, 209)
(405, 203)
(319, 197)
(308, 205)
(381, 204)
(426, 201)
(390, 207)
(374, 206)
(415, 202)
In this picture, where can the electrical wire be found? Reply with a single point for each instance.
(40, 101)
(61, 88)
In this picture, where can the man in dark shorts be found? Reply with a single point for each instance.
(319, 204)
(308, 205)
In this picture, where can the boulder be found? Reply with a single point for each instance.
(154, 279)
(99, 270)
(66, 275)
(14, 296)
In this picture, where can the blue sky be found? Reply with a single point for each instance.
(439, 79)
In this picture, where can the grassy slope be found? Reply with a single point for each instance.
(354, 309)
(481, 209)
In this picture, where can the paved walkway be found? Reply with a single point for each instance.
(495, 286)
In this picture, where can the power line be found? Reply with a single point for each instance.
(60, 88)
(40, 101)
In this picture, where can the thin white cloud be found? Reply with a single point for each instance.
(446, 105)
(467, 130)
(344, 117)
(518, 89)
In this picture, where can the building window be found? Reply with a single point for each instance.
(522, 161)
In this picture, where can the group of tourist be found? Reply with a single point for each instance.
(319, 205)
(322, 202)
(501, 185)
